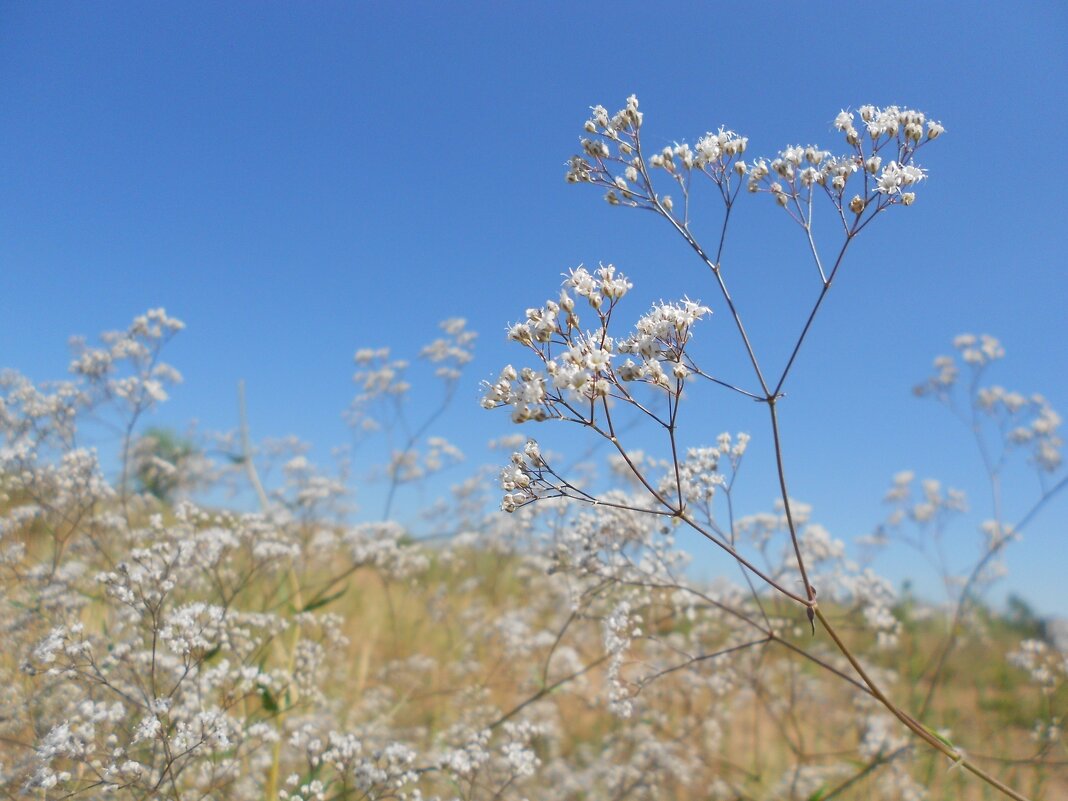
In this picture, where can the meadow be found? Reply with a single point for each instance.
(540, 635)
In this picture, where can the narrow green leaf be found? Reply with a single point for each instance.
(269, 702)
(939, 737)
(321, 602)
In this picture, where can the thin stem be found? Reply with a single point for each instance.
(917, 728)
(809, 591)
(246, 450)
(714, 267)
(812, 314)
(408, 445)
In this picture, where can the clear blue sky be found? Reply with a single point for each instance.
(298, 180)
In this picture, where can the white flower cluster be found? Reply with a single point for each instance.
(379, 375)
(659, 342)
(67, 641)
(876, 598)
(1046, 667)
(621, 628)
(451, 352)
(882, 736)
(523, 477)
(614, 159)
(885, 162)
(194, 627)
(578, 366)
(33, 417)
(978, 350)
(621, 128)
(465, 760)
(891, 121)
(76, 482)
(1047, 733)
(306, 489)
(1040, 432)
(518, 748)
(383, 546)
(412, 464)
(699, 472)
(933, 506)
(377, 773)
(138, 347)
(1028, 421)
(699, 475)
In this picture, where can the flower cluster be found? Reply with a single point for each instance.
(700, 472)
(451, 352)
(615, 160)
(147, 378)
(884, 160)
(1045, 666)
(523, 477)
(659, 343)
(621, 628)
(1027, 421)
(578, 366)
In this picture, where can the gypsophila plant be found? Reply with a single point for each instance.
(299, 648)
(584, 370)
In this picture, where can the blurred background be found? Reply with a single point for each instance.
(298, 182)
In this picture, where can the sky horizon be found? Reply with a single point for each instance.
(298, 184)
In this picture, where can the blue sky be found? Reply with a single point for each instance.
(297, 181)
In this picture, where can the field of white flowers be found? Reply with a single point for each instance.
(543, 637)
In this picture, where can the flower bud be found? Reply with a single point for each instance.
(908, 198)
(856, 205)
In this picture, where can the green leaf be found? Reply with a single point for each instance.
(269, 702)
(321, 602)
(819, 794)
(209, 655)
(939, 737)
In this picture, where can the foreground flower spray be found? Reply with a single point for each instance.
(585, 371)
